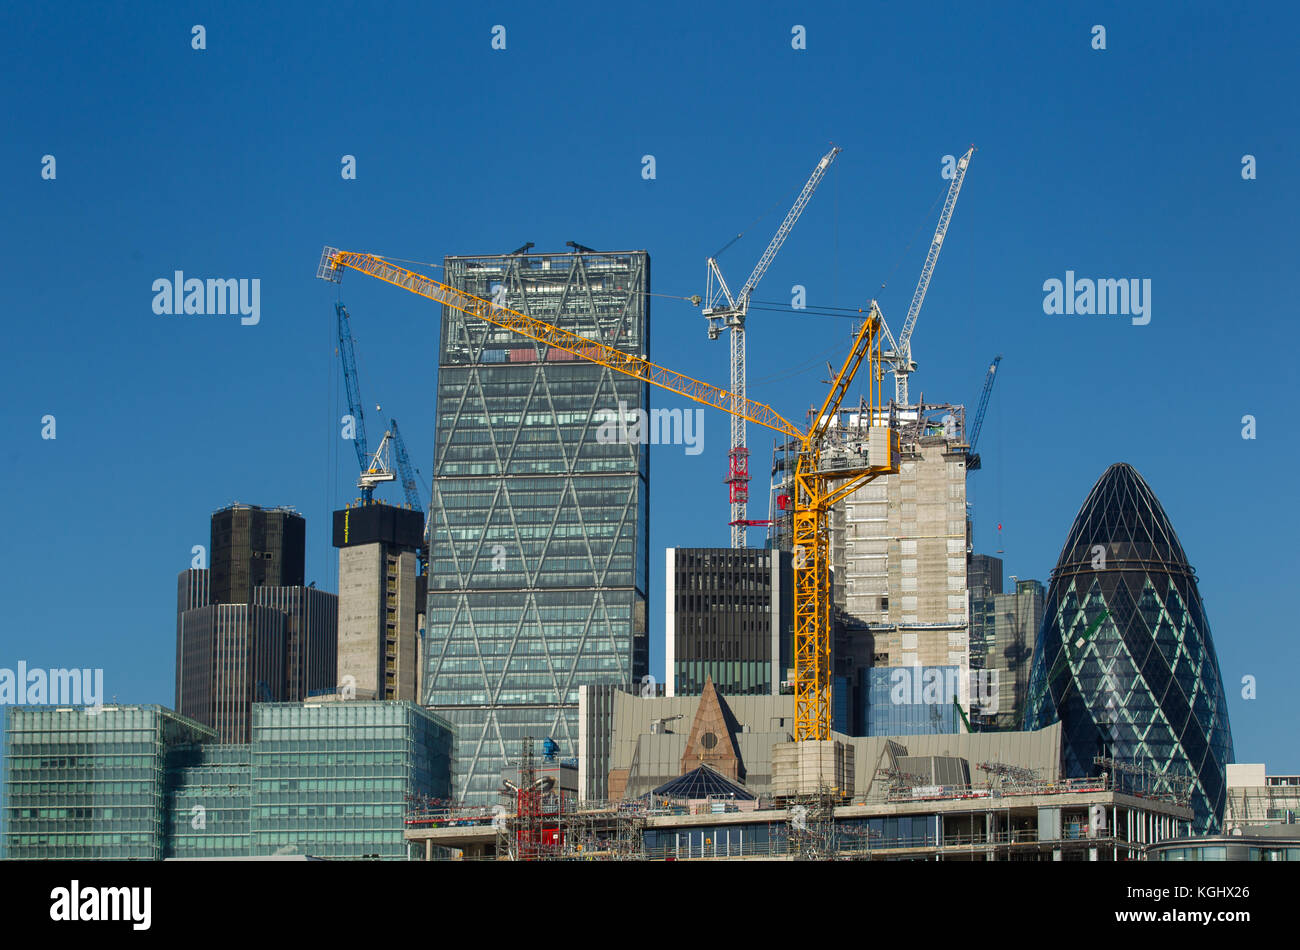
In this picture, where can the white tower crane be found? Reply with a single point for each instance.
(899, 355)
(721, 309)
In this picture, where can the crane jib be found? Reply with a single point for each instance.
(544, 333)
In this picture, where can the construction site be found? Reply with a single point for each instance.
(871, 495)
(935, 814)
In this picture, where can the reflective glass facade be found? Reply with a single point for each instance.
(330, 780)
(730, 616)
(90, 785)
(910, 701)
(209, 798)
(334, 780)
(1124, 658)
(539, 534)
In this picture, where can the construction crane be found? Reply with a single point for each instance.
(972, 457)
(374, 468)
(412, 491)
(721, 310)
(899, 355)
(816, 487)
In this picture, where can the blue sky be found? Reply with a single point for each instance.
(225, 162)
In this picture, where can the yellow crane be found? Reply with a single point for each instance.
(827, 470)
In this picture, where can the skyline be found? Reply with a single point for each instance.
(225, 164)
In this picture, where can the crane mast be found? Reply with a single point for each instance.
(900, 355)
(816, 487)
(722, 310)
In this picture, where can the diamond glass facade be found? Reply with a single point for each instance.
(539, 533)
(1124, 658)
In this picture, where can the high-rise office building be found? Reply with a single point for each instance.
(1124, 658)
(311, 637)
(191, 593)
(729, 615)
(540, 543)
(379, 606)
(983, 582)
(1003, 629)
(255, 547)
(277, 641)
(1017, 617)
(232, 655)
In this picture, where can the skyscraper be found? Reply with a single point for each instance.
(277, 642)
(1017, 618)
(310, 637)
(232, 655)
(539, 549)
(255, 547)
(1124, 658)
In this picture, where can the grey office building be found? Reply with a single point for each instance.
(232, 655)
(310, 637)
(539, 548)
(191, 593)
(1002, 632)
(729, 615)
(984, 581)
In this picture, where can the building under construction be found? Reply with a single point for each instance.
(916, 808)
(898, 549)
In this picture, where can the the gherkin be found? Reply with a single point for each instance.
(1124, 658)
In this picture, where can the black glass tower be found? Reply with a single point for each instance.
(1124, 658)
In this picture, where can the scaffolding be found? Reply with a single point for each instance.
(810, 826)
(1145, 782)
(1004, 776)
(901, 784)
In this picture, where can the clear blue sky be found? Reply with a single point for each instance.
(226, 163)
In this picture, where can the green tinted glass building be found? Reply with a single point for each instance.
(539, 531)
(90, 784)
(209, 799)
(334, 780)
(326, 779)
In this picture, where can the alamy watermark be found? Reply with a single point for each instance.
(657, 427)
(1103, 297)
(215, 296)
(932, 686)
(55, 687)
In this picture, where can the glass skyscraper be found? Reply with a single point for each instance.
(1124, 658)
(539, 534)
